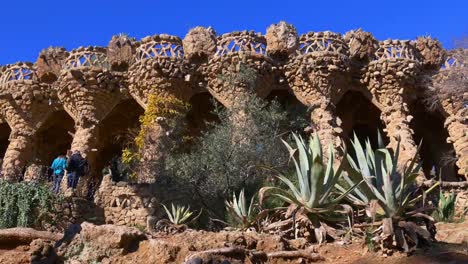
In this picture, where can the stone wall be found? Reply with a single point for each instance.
(125, 204)
(88, 83)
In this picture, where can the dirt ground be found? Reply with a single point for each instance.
(176, 248)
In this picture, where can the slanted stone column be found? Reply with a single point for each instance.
(450, 86)
(160, 72)
(89, 91)
(318, 75)
(391, 76)
(24, 103)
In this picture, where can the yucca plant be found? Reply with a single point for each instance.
(244, 215)
(316, 179)
(389, 194)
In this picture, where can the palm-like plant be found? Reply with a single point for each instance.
(316, 180)
(244, 215)
(387, 188)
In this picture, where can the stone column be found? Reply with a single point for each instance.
(158, 76)
(450, 86)
(391, 77)
(457, 127)
(17, 155)
(24, 103)
(319, 77)
(89, 91)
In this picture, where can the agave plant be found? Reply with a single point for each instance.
(179, 215)
(389, 194)
(244, 215)
(316, 180)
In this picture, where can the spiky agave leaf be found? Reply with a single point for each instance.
(316, 180)
(178, 215)
(242, 213)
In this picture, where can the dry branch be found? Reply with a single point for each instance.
(23, 236)
(445, 184)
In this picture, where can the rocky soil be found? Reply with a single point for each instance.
(89, 243)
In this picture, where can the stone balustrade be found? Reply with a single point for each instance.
(160, 46)
(245, 41)
(87, 57)
(396, 49)
(322, 42)
(17, 72)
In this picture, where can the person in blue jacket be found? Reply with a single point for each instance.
(58, 170)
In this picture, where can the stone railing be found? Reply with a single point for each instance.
(396, 49)
(245, 41)
(160, 46)
(17, 72)
(87, 57)
(322, 42)
(453, 61)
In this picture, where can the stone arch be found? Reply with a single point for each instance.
(293, 107)
(202, 106)
(359, 115)
(54, 137)
(436, 154)
(118, 128)
(5, 132)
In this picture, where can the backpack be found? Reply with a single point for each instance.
(82, 167)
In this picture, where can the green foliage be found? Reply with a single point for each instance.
(316, 178)
(226, 158)
(242, 214)
(446, 207)
(178, 215)
(24, 204)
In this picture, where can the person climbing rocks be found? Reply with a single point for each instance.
(77, 167)
(58, 170)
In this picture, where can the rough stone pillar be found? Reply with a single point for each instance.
(18, 153)
(88, 91)
(319, 77)
(391, 77)
(457, 127)
(450, 86)
(159, 72)
(24, 103)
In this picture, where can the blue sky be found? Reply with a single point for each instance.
(28, 26)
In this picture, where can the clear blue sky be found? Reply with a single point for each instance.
(28, 26)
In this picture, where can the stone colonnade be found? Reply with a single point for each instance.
(317, 67)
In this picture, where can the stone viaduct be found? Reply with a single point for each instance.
(82, 99)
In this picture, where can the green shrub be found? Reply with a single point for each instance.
(24, 204)
(226, 158)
